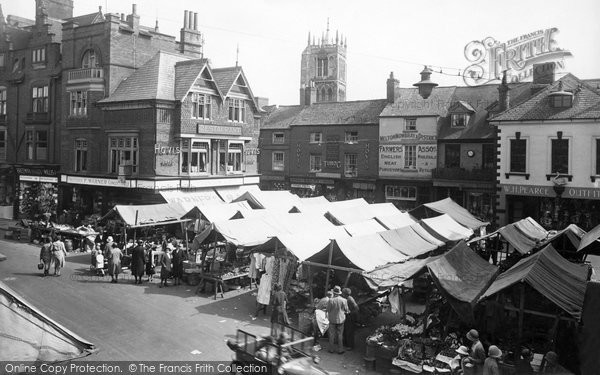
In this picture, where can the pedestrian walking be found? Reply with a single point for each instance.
(108, 247)
(177, 264)
(138, 261)
(337, 308)
(59, 253)
(351, 319)
(114, 262)
(150, 262)
(279, 305)
(165, 271)
(490, 366)
(477, 354)
(46, 255)
(320, 321)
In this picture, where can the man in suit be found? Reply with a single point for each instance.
(337, 308)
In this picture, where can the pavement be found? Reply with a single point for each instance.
(145, 322)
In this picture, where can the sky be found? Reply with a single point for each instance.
(382, 36)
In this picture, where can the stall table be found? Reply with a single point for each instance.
(218, 281)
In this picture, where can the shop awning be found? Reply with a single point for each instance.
(462, 274)
(546, 271)
(395, 274)
(229, 193)
(517, 239)
(147, 215)
(590, 242)
(448, 228)
(408, 241)
(280, 200)
(27, 334)
(190, 199)
(363, 227)
(458, 213)
(369, 252)
(395, 221)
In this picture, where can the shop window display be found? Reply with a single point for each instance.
(36, 199)
(558, 214)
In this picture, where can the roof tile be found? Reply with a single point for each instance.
(339, 113)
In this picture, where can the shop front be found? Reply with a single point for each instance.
(36, 191)
(274, 182)
(7, 192)
(478, 199)
(405, 194)
(553, 208)
(311, 187)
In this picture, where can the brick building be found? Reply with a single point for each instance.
(30, 110)
(146, 113)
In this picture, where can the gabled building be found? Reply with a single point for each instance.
(549, 156)
(30, 110)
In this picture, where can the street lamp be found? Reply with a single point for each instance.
(425, 85)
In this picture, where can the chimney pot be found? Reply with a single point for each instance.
(185, 19)
(393, 88)
(122, 16)
(134, 9)
(190, 19)
(195, 21)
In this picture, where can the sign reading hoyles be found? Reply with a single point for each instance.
(490, 58)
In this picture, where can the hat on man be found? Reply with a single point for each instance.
(109, 239)
(337, 290)
(462, 350)
(552, 358)
(494, 352)
(473, 335)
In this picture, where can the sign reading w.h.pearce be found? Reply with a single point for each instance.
(489, 58)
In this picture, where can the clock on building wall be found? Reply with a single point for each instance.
(470, 153)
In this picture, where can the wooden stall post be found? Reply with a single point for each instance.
(329, 265)
(310, 280)
(347, 279)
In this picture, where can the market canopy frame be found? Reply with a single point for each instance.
(137, 216)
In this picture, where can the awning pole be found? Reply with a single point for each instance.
(310, 284)
(521, 312)
(329, 264)
(347, 279)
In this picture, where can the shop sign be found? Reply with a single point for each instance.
(303, 186)
(266, 177)
(413, 136)
(332, 164)
(489, 58)
(166, 150)
(97, 181)
(52, 180)
(581, 193)
(528, 190)
(33, 171)
(218, 129)
(391, 159)
(252, 151)
(328, 175)
(320, 181)
(426, 157)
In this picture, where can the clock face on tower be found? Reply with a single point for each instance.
(470, 153)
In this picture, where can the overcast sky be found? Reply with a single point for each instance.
(383, 36)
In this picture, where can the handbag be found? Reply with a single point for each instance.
(40, 266)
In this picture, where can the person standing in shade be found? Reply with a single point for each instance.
(351, 319)
(114, 262)
(477, 354)
(337, 308)
(46, 255)
(150, 262)
(490, 366)
(279, 305)
(59, 253)
(165, 271)
(138, 256)
(320, 321)
(178, 258)
(523, 365)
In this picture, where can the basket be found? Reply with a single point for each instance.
(40, 266)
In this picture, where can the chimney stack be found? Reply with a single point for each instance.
(503, 94)
(544, 73)
(134, 19)
(393, 86)
(191, 41)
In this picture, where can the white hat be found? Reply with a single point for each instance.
(109, 239)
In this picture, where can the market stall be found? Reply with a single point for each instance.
(446, 228)
(396, 221)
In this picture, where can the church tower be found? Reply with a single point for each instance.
(323, 70)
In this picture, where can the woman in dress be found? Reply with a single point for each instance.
(165, 271)
(279, 305)
(46, 255)
(178, 258)
(114, 262)
(150, 262)
(138, 261)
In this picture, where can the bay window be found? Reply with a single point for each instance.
(123, 151)
(234, 157)
(194, 159)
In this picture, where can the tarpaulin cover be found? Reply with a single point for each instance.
(358, 202)
(349, 215)
(189, 199)
(557, 279)
(395, 221)
(141, 215)
(458, 213)
(448, 228)
(279, 200)
(518, 240)
(217, 211)
(531, 229)
(369, 252)
(229, 193)
(256, 231)
(590, 238)
(303, 245)
(363, 227)
(309, 201)
(407, 241)
(395, 274)
(462, 274)
(426, 235)
(589, 340)
(27, 334)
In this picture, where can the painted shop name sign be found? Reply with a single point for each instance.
(166, 150)
(407, 136)
(548, 191)
(36, 171)
(218, 129)
(489, 57)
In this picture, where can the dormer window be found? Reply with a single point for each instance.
(562, 100)
(460, 120)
